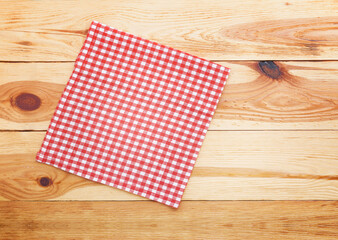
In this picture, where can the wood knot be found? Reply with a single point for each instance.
(27, 102)
(270, 69)
(25, 43)
(45, 181)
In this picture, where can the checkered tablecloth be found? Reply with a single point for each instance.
(133, 115)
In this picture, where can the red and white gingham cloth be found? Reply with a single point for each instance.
(133, 115)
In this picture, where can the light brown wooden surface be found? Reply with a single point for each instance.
(304, 95)
(232, 165)
(287, 220)
(274, 135)
(218, 29)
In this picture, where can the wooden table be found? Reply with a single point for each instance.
(268, 168)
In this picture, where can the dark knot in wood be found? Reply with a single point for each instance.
(270, 69)
(45, 181)
(27, 102)
(25, 43)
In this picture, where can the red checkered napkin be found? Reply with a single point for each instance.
(133, 115)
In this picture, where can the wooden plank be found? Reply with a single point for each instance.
(219, 30)
(258, 95)
(232, 165)
(147, 220)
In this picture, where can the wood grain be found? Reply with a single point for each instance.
(29, 101)
(232, 165)
(294, 102)
(147, 220)
(218, 30)
(259, 95)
